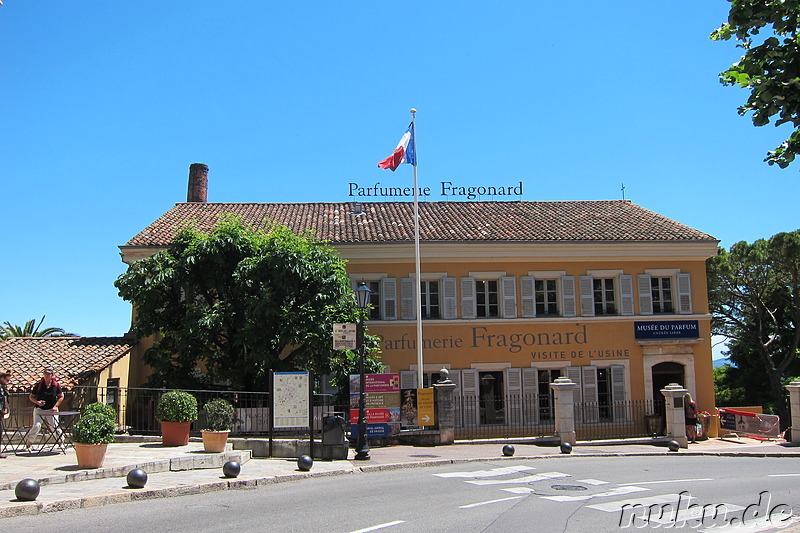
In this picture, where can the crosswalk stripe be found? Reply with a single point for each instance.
(695, 513)
(613, 507)
(593, 481)
(526, 479)
(487, 473)
(613, 492)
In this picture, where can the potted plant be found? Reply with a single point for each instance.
(176, 411)
(92, 434)
(219, 420)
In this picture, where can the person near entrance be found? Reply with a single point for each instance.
(46, 396)
(690, 416)
(4, 406)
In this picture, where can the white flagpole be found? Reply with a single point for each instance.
(420, 367)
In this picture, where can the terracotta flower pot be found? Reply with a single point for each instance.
(90, 455)
(175, 433)
(214, 441)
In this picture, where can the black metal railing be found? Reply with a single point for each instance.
(508, 416)
(616, 420)
(136, 409)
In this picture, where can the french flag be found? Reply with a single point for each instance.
(404, 153)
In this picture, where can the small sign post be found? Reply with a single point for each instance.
(425, 412)
(344, 337)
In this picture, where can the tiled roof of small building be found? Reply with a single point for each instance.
(73, 358)
(392, 222)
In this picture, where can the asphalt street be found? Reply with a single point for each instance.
(562, 493)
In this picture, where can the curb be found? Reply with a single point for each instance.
(175, 464)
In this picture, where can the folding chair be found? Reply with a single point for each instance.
(15, 427)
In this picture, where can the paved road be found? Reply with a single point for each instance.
(549, 494)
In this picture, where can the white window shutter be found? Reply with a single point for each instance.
(587, 296)
(530, 392)
(408, 295)
(528, 296)
(470, 395)
(468, 304)
(568, 295)
(509, 285)
(626, 294)
(574, 373)
(684, 294)
(513, 396)
(450, 299)
(590, 408)
(618, 391)
(408, 379)
(389, 296)
(645, 295)
(455, 377)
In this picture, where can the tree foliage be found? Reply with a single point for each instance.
(754, 296)
(767, 30)
(31, 329)
(236, 303)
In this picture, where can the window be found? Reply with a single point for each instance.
(546, 297)
(546, 377)
(374, 299)
(604, 397)
(661, 290)
(430, 299)
(486, 301)
(665, 291)
(604, 296)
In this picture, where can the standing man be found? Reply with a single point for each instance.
(4, 407)
(46, 396)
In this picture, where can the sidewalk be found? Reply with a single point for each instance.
(189, 470)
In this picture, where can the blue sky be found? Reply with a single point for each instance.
(103, 106)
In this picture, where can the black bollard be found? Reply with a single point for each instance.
(673, 446)
(508, 450)
(231, 469)
(27, 490)
(304, 463)
(566, 447)
(137, 478)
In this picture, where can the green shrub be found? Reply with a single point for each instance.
(176, 406)
(101, 409)
(219, 415)
(94, 427)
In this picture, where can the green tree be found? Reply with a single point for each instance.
(31, 329)
(754, 296)
(767, 30)
(236, 303)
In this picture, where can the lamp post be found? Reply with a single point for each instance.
(362, 446)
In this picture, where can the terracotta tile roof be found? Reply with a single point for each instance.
(73, 358)
(389, 222)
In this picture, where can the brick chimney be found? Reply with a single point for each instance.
(198, 183)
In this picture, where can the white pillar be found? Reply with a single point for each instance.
(676, 420)
(794, 408)
(564, 408)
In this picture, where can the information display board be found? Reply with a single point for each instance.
(381, 401)
(291, 404)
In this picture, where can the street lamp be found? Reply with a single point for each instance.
(362, 446)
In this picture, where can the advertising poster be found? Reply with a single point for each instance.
(381, 402)
(291, 399)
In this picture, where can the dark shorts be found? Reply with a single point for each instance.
(690, 421)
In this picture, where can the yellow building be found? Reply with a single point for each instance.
(514, 294)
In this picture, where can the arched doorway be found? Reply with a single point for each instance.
(663, 374)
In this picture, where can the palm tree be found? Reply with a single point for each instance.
(31, 329)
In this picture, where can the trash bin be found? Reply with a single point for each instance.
(654, 424)
(334, 438)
